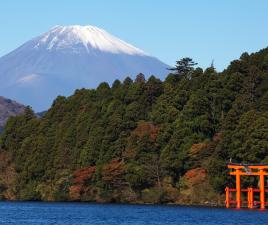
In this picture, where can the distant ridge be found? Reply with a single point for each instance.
(9, 108)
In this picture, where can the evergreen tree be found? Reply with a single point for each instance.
(184, 67)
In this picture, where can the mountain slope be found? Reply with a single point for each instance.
(67, 58)
(9, 108)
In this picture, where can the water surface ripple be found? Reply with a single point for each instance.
(27, 213)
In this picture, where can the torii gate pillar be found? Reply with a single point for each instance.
(238, 189)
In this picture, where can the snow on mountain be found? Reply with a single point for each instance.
(67, 58)
(90, 37)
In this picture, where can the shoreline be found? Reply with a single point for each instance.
(117, 203)
(136, 204)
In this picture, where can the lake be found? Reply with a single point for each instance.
(20, 213)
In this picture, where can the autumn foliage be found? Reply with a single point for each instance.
(113, 172)
(80, 178)
(83, 175)
(195, 175)
(146, 128)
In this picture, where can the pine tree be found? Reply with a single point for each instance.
(184, 67)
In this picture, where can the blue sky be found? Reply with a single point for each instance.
(168, 29)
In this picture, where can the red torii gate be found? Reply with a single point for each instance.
(238, 170)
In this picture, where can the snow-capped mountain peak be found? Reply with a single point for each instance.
(67, 58)
(89, 38)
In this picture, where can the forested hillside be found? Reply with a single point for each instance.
(144, 140)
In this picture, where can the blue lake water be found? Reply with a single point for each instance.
(20, 213)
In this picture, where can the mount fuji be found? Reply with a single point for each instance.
(67, 58)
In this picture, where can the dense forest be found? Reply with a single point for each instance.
(142, 141)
